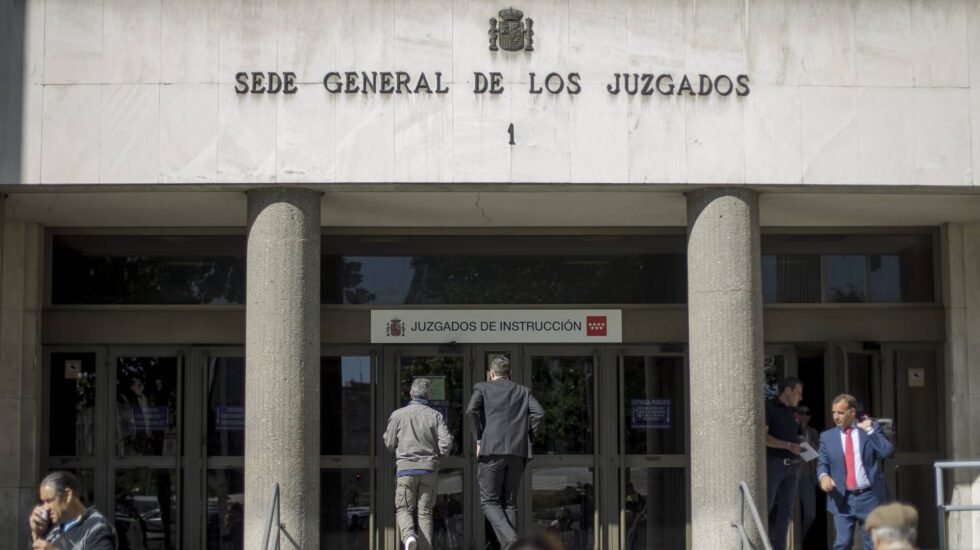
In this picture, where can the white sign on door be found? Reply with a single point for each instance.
(540, 326)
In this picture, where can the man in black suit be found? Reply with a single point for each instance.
(504, 416)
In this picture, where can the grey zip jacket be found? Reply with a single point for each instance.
(92, 532)
(418, 436)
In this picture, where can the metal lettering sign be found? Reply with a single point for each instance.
(511, 33)
(427, 326)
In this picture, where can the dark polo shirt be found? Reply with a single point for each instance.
(783, 426)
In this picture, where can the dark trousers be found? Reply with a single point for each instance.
(854, 509)
(782, 481)
(500, 478)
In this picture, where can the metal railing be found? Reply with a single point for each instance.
(941, 506)
(274, 519)
(745, 496)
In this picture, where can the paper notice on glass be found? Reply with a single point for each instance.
(808, 454)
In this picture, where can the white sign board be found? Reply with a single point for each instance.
(488, 326)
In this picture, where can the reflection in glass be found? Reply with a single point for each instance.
(87, 478)
(564, 387)
(773, 369)
(447, 514)
(884, 278)
(845, 278)
(148, 269)
(790, 278)
(72, 404)
(654, 404)
(146, 406)
(345, 405)
(226, 509)
(345, 508)
(446, 374)
(563, 503)
(860, 380)
(653, 509)
(226, 406)
(146, 509)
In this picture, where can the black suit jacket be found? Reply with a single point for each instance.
(504, 416)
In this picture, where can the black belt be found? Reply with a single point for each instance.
(858, 491)
(790, 461)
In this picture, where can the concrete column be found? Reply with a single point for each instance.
(726, 353)
(282, 358)
(20, 373)
(961, 266)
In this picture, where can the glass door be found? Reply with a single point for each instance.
(653, 446)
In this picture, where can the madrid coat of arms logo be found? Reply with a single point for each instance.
(511, 33)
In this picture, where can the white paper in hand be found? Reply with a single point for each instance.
(808, 454)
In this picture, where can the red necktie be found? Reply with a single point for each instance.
(849, 460)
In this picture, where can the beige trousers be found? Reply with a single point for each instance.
(415, 495)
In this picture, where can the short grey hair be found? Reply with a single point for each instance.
(420, 388)
(895, 534)
(61, 480)
(500, 365)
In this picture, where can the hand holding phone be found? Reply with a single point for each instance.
(40, 522)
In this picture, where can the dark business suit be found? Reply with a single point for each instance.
(846, 506)
(503, 416)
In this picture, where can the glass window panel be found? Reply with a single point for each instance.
(563, 503)
(791, 279)
(654, 405)
(654, 509)
(845, 278)
(226, 406)
(146, 406)
(564, 387)
(884, 277)
(446, 371)
(87, 478)
(226, 509)
(447, 513)
(916, 486)
(146, 508)
(917, 400)
(345, 508)
(860, 381)
(345, 405)
(72, 404)
(148, 269)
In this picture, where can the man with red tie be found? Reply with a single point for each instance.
(849, 469)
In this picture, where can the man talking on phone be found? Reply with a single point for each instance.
(849, 469)
(62, 522)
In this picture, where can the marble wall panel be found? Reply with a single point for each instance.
(423, 41)
(365, 139)
(599, 148)
(308, 35)
(975, 124)
(189, 133)
(365, 31)
(423, 142)
(544, 127)
(715, 140)
(716, 37)
(31, 124)
(130, 133)
(831, 139)
(827, 33)
(973, 40)
(596, 45)
(73, 42)
(773, 135)
(249, 37)
(131, 41)
(943, 153)
(70, 134)
(306, 143)
(481, 142)
(190, 40)
(246, 137)
(34, 22)
(939, 43)
(886, 125)
(773, 45)
(656, 42)
(657, 133)
(10, 446)
(883, 43)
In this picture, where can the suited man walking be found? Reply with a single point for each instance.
(503, 416)
(849, 469)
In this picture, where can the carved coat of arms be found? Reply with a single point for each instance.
(511, 33)
(395, 328)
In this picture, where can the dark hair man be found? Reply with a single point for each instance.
(504, 416)
(61, 521)
(782, 457)
(418, 436)
(849, 469)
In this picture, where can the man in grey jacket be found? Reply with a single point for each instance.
(418, 436)
(62, 521)
(504, 416)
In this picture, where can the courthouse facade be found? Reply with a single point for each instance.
(234, 231)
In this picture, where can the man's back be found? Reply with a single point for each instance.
(418, 436)
(503, 415)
